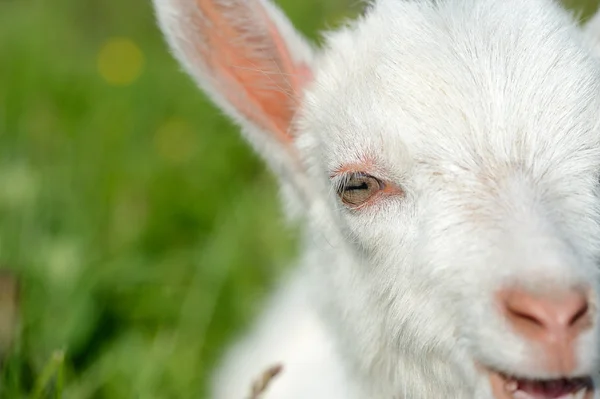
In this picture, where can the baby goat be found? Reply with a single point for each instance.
(444, 158)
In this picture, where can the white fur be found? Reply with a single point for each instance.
(485, 112)
(592, 32)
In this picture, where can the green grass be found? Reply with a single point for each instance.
(144, 231)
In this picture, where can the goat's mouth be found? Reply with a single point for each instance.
(507, 387)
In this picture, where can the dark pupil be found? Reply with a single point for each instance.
(356, 187)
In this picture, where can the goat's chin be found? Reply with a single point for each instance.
(505, 386)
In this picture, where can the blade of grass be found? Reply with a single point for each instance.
(52, 374)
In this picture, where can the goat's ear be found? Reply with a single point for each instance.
(249, 59)
(591, 30)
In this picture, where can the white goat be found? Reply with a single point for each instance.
(444, 156)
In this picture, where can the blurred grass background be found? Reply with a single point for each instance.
(143, 230)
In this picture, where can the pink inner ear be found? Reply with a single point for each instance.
(250, 63)
(304, 75)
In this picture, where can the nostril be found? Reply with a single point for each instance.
(520, 316)
(581, 317)
(523, 314)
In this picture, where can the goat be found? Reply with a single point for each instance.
(443, 158)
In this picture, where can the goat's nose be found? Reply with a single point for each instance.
(554, 321)
(547, 317)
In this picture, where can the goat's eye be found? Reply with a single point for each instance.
(358, 188)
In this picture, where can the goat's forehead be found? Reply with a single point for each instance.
(502, 79)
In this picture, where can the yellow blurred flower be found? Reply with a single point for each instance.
(120, 61)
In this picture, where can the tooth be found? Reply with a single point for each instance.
(521, 395)
(511, 386)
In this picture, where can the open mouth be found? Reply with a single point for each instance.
(506, 387)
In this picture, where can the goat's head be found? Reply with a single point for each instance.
(445, 155)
